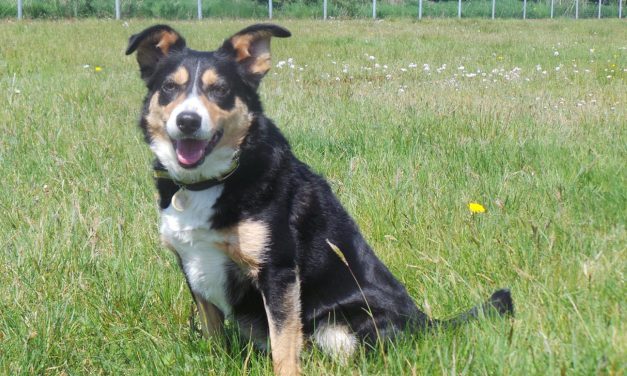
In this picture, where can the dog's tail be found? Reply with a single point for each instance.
(499, 304)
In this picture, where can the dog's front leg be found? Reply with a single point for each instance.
(281, 296)
(211, 319)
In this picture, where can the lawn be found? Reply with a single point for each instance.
(409, 121)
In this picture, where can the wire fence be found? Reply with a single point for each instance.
(324, 9)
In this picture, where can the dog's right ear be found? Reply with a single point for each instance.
(152, 45)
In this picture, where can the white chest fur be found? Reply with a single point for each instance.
(188, 229)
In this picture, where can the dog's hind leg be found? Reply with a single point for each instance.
(281, 300)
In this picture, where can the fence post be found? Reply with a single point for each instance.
(200, 9)
(459, 9)
(576, 9)
(270, 9)
(620, 9)
(493, 7)
(374, 9)
(19, 9)
(599, 16)
(524, 9)
(324, 9)
(117, 9)
(420, 9)
(552, 7)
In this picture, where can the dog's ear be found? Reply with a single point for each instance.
(251, 50)
(152, 45)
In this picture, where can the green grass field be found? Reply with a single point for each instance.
(408, 121)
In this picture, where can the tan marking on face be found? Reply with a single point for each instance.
(246, 244)
(166, 40)
(158, 115)
(180, 77)
(235, 123)
(208, 78)
(286, 341)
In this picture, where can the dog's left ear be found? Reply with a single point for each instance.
(251, 50)
(152, 45)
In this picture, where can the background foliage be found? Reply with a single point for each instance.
(187, 9)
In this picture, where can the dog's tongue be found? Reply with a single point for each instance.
(190, 151)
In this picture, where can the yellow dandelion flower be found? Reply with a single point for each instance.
(476, 207)
(98, 68)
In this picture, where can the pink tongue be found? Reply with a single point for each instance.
(190, 152)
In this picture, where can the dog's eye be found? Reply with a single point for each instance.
(218, 91)
(169, 87)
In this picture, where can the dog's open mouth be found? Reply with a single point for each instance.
(191, 152)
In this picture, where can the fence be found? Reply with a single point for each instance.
(475, 11)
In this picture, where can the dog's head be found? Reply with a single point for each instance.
(200, 104)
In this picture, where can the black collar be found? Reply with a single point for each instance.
(161, 173)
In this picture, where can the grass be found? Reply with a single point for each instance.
(408, 121)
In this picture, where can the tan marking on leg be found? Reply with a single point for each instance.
(180, 77)
(158, 115)
(286, 341)
(208, 78)
(246, 244)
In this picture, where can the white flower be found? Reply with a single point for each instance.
(371, 57)
(556, 53)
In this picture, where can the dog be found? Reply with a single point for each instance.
(261, 239)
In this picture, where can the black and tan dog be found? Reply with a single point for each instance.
(260, 238)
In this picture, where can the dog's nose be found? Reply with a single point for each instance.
(188, 122)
